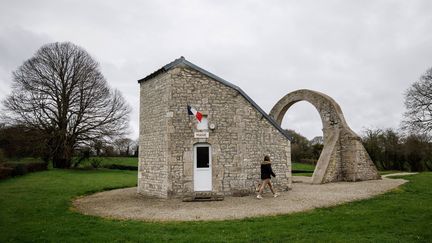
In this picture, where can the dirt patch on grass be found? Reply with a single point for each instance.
(127, 204)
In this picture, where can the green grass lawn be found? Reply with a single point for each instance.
(36, 207)
(299, 169)
(301, 166)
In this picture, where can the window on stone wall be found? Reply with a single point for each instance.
(203, 125)
(203, 160)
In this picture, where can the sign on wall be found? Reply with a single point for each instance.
(201, 135)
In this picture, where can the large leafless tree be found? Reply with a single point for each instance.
(61, 91)
(418, 102)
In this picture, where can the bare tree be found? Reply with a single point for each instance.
(136, 147)
(61, 91)
(418, 102)
(124, 145)
(97, 145)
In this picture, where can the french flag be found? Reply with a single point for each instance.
(192, 111)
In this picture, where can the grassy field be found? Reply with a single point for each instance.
(36, 207)
(299, 169)
(300, 166)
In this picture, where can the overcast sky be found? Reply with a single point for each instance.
(364, 54)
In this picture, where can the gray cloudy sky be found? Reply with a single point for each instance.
(364, 54)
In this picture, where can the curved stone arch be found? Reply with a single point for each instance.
(343, 157)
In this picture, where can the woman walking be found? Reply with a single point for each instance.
(266, 173)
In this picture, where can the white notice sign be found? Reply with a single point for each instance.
(201, 135)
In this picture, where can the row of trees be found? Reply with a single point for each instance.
(18, 141)
(303, 150)
(409, 148)
(394, 150)
(62, 102)
(389, 149)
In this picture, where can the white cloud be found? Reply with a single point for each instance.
(16, 45)
(364, 54)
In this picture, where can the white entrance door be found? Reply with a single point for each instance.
(202, 168)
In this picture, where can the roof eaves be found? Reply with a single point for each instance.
(182, 60)
(163, 69)
(238, 89)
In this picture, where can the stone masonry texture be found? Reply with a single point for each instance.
(153, 137)
(241, 138)
(343, 157)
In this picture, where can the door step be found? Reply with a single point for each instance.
(203, 196)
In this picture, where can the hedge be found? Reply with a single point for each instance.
(17, 169)
(120, 167)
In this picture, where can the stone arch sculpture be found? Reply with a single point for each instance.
(343, 157)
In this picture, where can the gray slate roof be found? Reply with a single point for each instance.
(182, 61)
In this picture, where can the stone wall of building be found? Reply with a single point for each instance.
(153, 171)
(239, 142)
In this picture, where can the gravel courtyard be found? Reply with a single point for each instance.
(127, 204)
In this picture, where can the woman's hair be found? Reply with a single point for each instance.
(266, 158)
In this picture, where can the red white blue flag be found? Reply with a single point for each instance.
(192, 111)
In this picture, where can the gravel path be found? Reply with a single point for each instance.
(127, 204)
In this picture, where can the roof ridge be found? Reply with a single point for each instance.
(183, 60)
(163, 69)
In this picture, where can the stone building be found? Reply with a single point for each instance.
(221, 155)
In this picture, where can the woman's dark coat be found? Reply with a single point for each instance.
(266, 171)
